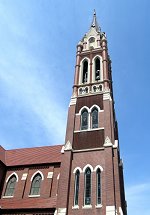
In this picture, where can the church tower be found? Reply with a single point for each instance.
(91, 176)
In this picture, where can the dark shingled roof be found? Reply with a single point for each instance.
(37, 155)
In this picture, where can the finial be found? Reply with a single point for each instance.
(95, 23)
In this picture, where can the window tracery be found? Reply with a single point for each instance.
(36, 184)
(84, 120)
(10, 188)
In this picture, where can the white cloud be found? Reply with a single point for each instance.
(138, 199)
(28, 88)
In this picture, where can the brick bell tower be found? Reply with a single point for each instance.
(91, 177)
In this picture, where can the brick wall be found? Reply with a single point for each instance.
(48, 190)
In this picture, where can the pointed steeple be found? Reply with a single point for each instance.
(94, 23)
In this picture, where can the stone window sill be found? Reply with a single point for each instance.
(7, 197)
(87, 207)
(75, 207)
(33, 196)
(98, 206)
(91, 129)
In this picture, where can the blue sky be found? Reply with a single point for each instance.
(37, 57)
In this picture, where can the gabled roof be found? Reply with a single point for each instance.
(30, 156)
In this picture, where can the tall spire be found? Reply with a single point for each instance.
(94, 23)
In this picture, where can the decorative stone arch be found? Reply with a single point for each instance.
(84, 107)
(77, 168)
(81, 70)
(98, 167)
(36, 174)
(14, 173)
(101, 68)
(88, 166)
(95, 106)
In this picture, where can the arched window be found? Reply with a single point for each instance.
(76, 188)
(87, 197)
(84, 120)
(85, 71)
(98, 186)
(36, 184)
(97, 69)
(95, 118)
(10, 188)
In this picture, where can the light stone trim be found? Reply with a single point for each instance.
(37, 173)
(33, 196)
(62, 211)
(120, 211)
(50, 175)
(84, 107)
(77, 168)
(75, 207)
(107, 96)
(87, 207)
(88, 166)
(62, 150)
(107, 142)
(95, 106)
(7, 197)
(97, 86)
(58, 176)
(73, 101)
(100, 167)
(110, 210)
(14, 173)
(67, 146)
(82, 90)
(99, 206)
(92, 129)
(115, 144)
(24, 176)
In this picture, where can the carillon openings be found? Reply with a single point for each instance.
(97, 69)
(85, 71)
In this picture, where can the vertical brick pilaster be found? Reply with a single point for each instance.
(64, 181)
(109, 177)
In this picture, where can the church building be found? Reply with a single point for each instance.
(85, 174)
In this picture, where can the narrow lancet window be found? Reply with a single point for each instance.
(84, 120)
(95, 118)
(88, 186)
(85, 72)
(97, 69)
(36, 184)
(98, 186)
(10, 188)
(76, 193)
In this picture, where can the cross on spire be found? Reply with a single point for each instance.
(94, 23)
